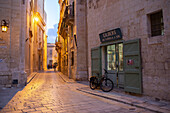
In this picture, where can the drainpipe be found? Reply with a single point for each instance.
(86, 41)
(10, 25)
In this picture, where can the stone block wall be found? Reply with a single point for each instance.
(28, 43)
(81, 35)
(131, 16)
(12, 44)
(5, 42)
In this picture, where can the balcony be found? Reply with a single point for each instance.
(66, 19)
(58, 46)
(63, 29)
(69, 14)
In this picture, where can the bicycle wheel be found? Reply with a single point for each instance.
(93, 83)
(106, 85)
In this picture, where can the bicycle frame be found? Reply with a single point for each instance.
(96, 81)
(100, 78)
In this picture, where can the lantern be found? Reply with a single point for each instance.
(4, 25)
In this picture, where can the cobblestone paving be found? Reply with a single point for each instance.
(49, 93)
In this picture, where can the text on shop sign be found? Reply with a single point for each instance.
(111, 35)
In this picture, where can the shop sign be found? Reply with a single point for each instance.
(111, 35)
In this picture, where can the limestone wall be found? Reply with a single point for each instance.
(12, 42)
(81, 32)
(131, 16)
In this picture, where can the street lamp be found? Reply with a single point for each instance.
(4, 25)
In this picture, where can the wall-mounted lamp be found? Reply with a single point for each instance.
(4, 25)
(36, 19)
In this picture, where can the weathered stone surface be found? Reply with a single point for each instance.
(15, 49)
(132, 17)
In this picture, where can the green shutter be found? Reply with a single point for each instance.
(132, 66)
(96, 61)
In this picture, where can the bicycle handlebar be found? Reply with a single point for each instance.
(105, 71)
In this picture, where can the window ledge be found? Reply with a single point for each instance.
(155, 39)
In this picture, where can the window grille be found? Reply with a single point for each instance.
(157, 25)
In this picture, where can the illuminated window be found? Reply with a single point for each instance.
(115, 57)
(111, 57)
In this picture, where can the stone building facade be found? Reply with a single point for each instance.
(51, 54)
(72, 43)
(18, 44)
(36, 44)
(128, 38)
(61, 44)
(143, 20)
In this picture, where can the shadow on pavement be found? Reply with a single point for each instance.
(6, 94)
(51, 72)
(83, 82)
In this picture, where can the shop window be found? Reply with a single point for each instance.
(156, 23)
(111, 57)
(115, 57)
(72, 58)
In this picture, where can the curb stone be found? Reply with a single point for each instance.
(142, 105)
(126, 99)
(31, 76)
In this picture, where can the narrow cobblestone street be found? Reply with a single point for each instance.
(49, 93)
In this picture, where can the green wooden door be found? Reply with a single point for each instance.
(96, 61)
(132, 66)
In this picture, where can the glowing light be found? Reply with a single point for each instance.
(4, 25)
(36, 19)
(4, 28)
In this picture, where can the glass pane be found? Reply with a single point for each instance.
(111, 57)
(120, 57)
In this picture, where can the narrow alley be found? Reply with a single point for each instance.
(51, 49)
(49, 92)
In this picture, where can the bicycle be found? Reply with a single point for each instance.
(105, 83)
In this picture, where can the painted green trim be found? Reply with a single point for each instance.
(111, 42)
(99, 70)
(100, 61)
(135, 84)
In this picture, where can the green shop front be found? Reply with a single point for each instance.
(121, 58)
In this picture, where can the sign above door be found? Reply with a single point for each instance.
(111, 35)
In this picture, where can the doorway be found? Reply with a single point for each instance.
(114, 64)
(123, 62)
